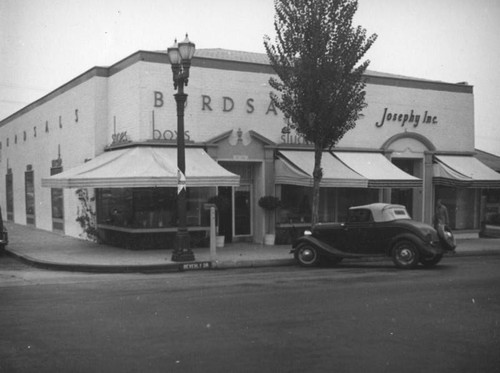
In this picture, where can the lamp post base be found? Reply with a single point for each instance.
(182, 252)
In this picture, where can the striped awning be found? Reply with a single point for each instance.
(143, 166)
(342, 170)
(464, 172)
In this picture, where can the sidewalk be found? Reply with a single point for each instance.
(55, 251)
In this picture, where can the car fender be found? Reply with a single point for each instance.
(323, 248)
(421, 246)
(446, 237)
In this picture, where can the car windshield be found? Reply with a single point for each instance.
(360, 216)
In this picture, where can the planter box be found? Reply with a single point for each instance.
(490, 231)
(269, 239)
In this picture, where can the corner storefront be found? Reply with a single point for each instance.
(96, 157)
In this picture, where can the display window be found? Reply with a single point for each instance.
(9, 186)
(462, 205)
(29, 183)
(150, 208)
(296, 203)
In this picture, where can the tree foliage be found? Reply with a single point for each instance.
(320, 85)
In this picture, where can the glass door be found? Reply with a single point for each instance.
(242, 211)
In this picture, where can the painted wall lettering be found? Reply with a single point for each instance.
(158, 99)
(228, 104)
(406, 118)
(250, 107)
(119, 138)
(168, 135)
(272, 108)
(288, 138)
(206, 102)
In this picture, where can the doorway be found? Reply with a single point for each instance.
(237, 223)
(411, 198)
(236, 219)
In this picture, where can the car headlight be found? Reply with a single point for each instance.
(428, 238)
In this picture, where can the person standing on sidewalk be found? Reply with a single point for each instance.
(441, 214)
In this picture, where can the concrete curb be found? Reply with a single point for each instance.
(189, 266)
(95, 268)
(149, 268)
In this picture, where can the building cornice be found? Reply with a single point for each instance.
(204, 60)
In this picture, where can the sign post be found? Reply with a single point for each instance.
(213, 254)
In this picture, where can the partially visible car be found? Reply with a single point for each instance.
(4, 235)
(378, 229)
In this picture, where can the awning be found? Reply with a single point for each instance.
(380, 172)
(464, 172)
(295, 167)
(143, 166)
(342, 170)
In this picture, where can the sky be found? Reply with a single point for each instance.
(46, 43)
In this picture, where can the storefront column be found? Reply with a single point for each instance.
(428, 188)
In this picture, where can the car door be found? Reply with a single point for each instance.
(360, 231)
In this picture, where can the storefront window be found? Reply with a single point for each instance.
(57, 203)
(492, 207)
(10, 195)
(348, 197)
(295, 204)
(30, 195)
(462, 206)
(150, 207)
(333, 206)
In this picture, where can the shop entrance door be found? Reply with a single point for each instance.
(242, 211)
(226, 215)
(236, 219)
(403, 197)
(409, 197)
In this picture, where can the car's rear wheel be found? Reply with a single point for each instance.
(431, 262)
(307, 255)
(405, 254)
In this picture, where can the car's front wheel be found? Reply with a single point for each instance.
(307, 255)
(405, 254)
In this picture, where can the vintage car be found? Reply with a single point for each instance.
(378, 229)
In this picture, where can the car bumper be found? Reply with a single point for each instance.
(434, 248)
(4, 239)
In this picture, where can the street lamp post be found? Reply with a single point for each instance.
(180, 55)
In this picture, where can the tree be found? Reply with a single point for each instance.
(316, 58)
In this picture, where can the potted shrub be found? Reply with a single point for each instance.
(269, 204)
(223, 205)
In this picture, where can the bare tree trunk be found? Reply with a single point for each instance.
(317, 175)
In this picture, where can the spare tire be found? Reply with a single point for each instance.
(446, 237)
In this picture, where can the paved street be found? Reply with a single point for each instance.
(358, 317)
